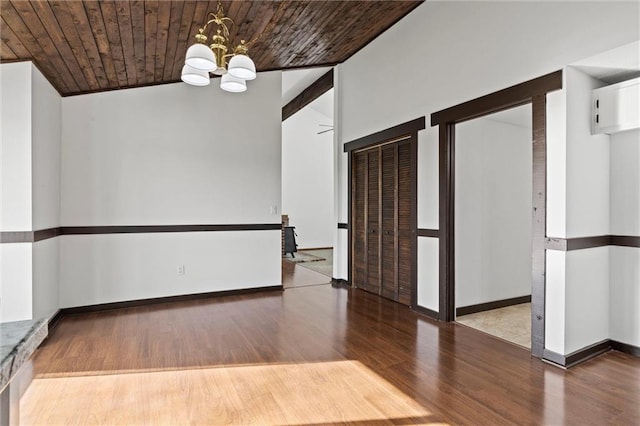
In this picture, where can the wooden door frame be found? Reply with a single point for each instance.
(530, 92)
(408, 130)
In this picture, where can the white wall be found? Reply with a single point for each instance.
(451, 55)
(31, 118)
(111, 268)
(601, 186)
(170, 155)
(587, 214)
(556, 117)
(45, 270)
(493, 209)
(625, 183)
(340, 169)
(624, 299)
(46, 122)
(16, 282)
(428, 272)
(587, 190)
(625, 220)
(555, 303)
(15, 92)
(15, 180)
(586, 298)
(46, 110)
(307, 177)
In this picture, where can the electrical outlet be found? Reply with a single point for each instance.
(181, 270)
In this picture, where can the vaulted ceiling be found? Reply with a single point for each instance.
(87, 46)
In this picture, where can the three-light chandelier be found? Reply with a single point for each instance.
(202, 59)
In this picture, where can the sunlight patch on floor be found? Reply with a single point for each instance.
(313, 393)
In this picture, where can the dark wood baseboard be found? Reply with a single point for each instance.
(581, 355)
(553, 358)
(55, 320)
(340, 283)
(626, 348)
(591, 351)
(167, 299)
(426, 311)
(315, 248)
(481, 307)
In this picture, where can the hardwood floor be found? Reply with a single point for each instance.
(309, 355)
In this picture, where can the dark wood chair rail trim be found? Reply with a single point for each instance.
(82, 230)
(580, 243)
(308, 95)
(167, 299)
(481, 307)
(16, 237)
(404, 129)
(44, 234)
(433, 233)
(625, 241)
(501, 100)
(342, 225)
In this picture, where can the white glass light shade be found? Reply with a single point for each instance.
(195, 77)
(241, 66)
(201, 57)
(232, 84)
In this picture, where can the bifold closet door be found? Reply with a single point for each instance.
(404, 226)
(381, 210)
(366, 224)
(359, 166)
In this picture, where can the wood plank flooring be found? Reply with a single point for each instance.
(309, 355)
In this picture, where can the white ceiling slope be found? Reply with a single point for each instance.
(294, 82)
(613, 66)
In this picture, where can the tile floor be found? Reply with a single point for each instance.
(318, 260)
(512, 323)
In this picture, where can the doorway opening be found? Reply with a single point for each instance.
(493, 179)
(530, 92)
(307, 177)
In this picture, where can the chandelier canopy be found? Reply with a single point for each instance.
(202, 59)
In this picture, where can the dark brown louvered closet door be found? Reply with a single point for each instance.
(382, 229)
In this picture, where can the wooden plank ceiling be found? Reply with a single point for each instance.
(88, 46)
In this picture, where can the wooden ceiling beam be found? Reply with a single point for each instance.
(308, 95)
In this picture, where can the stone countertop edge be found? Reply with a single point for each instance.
(18, 341)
